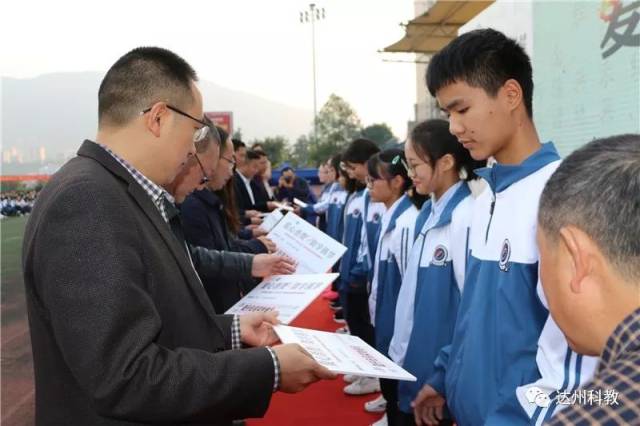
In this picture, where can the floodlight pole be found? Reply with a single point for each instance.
(312, 15)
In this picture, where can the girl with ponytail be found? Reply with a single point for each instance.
(429, 296)
(389, 183)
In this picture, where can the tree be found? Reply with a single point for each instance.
(337, 125)
(299, 155)
(275, 148)
(380, 133)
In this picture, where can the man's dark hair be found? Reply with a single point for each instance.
(483, 58)
(252, 155)
(224, 135)
(140, 78)
(237, 144)
(286, 169)
(360, 150)
(597, 189)
(223, 139)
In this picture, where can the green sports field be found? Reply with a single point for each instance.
(17, 373)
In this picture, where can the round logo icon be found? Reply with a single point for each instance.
(440, 255)
(376, 217)
(505, 255)
(356, 212)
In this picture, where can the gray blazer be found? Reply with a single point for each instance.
(121, 329)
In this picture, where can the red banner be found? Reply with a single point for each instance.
(223, 119)
(24, 178)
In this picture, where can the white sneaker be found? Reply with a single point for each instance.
(378, 405)
(363, 386)
(350, 378)
(382, 422)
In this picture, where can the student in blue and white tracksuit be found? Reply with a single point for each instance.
(389, 183)
(351, 223)
(336, 201)
(483, 81)
(329, 176)
(430, 294)
(502, 316)
(362, 224)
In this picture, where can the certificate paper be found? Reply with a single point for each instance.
(271, 220)
(343, 353)
(287, 294)
(313, 250)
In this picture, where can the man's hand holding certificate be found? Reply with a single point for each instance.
(342, 353)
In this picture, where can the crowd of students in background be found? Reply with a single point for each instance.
(17, 203)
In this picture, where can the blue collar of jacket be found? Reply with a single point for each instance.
(501, 176)
(423, 216)
(461, 193)
(404, 204)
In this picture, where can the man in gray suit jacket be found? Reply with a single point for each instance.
(122, 330)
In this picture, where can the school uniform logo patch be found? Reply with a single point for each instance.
(505, 255)
(440, 255)
(376, 217)
(356, 212)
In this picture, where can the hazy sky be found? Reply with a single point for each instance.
(256, 46)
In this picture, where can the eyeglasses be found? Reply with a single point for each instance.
(200, 134)
(369, 180)
(231, 161)
(205, 178)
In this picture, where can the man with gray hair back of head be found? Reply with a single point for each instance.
(589, 239)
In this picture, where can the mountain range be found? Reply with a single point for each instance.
(57, 111)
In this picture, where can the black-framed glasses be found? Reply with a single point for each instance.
(369, 180)
(205, 178)
(200, 134)
(231, 161)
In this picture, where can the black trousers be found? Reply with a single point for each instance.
(357, 316)
(389, 390)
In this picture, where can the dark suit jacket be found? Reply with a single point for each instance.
(244, 200)
(204, 225)
(121, 329)
(260, 192)
(300, 190)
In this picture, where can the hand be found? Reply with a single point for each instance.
(264, 265)
(256, 220)
(281, 182)
(297, 210)
(256, 328)
(298, 369)
(251, 213)
(428, 406)
(270, 245)
(271, 205)
(256, 231)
